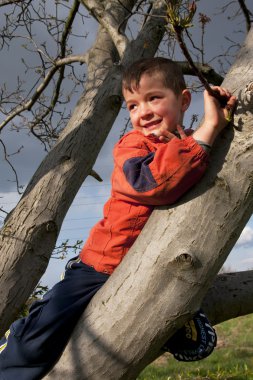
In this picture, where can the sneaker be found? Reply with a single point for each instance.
(194, 341)
(4, 341)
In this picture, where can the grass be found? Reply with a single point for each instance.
(231, 360)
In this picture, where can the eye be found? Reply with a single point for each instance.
(131, 106)
(154, 97)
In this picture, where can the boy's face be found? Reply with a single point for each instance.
(155, 108)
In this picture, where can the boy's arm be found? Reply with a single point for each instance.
(156, 177)
(163, 176)
(216, 117)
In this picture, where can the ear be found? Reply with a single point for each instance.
(186, 99)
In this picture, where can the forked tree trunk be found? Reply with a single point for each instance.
(30, 233)
(164, 278)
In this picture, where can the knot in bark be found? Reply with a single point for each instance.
(248, 93)
(185, 259)
(115, 101)
(65, 158)
(51, 226)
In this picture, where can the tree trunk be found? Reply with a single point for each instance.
(31, 230)
(164, 278)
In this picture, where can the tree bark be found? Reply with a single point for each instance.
(31, 230)
(229, 297)
(164, 278)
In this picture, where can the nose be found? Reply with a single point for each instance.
(145, 112)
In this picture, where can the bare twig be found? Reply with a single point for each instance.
(47, 114)
(246, 13)
(62, 251)
(203, 19)
(65, 34)
(96, 176)
(2, 210)
(12, 167)
(28, 105)
(187, 55)
(179, 23)
(125, 128)
(206, 70)
(9, 2)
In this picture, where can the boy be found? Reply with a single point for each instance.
(152, 167)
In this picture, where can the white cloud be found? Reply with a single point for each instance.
(248, 261)
(246, 237)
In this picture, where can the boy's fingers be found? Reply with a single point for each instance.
(163, 139)
(223, 95)
(228, 113)
(229, 108)
(221, 90)
(166, 136)
(181, 132)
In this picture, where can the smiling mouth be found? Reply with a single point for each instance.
(152, 124)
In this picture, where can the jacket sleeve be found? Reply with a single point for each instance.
(156, 176)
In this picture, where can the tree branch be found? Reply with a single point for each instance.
(11, 166)
(67, 28)
(106, 18)
(28, 105)
(179, 24)
(230, 296)
(207, 71)
(9, 2)
(246, 13)
(150, 35)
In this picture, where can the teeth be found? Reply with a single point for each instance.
(153, 124)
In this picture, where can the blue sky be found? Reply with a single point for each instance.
(87, 207)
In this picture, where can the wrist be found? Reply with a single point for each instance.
(207, 148)
(206, 133)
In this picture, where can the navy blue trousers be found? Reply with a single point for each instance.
(34, 344)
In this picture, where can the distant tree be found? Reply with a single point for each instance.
(182, 247)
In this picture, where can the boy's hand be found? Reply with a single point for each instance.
(216, 117)
(167, 136)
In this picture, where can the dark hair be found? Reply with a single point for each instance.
(170, 72)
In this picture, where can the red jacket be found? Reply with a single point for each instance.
(147, 173)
